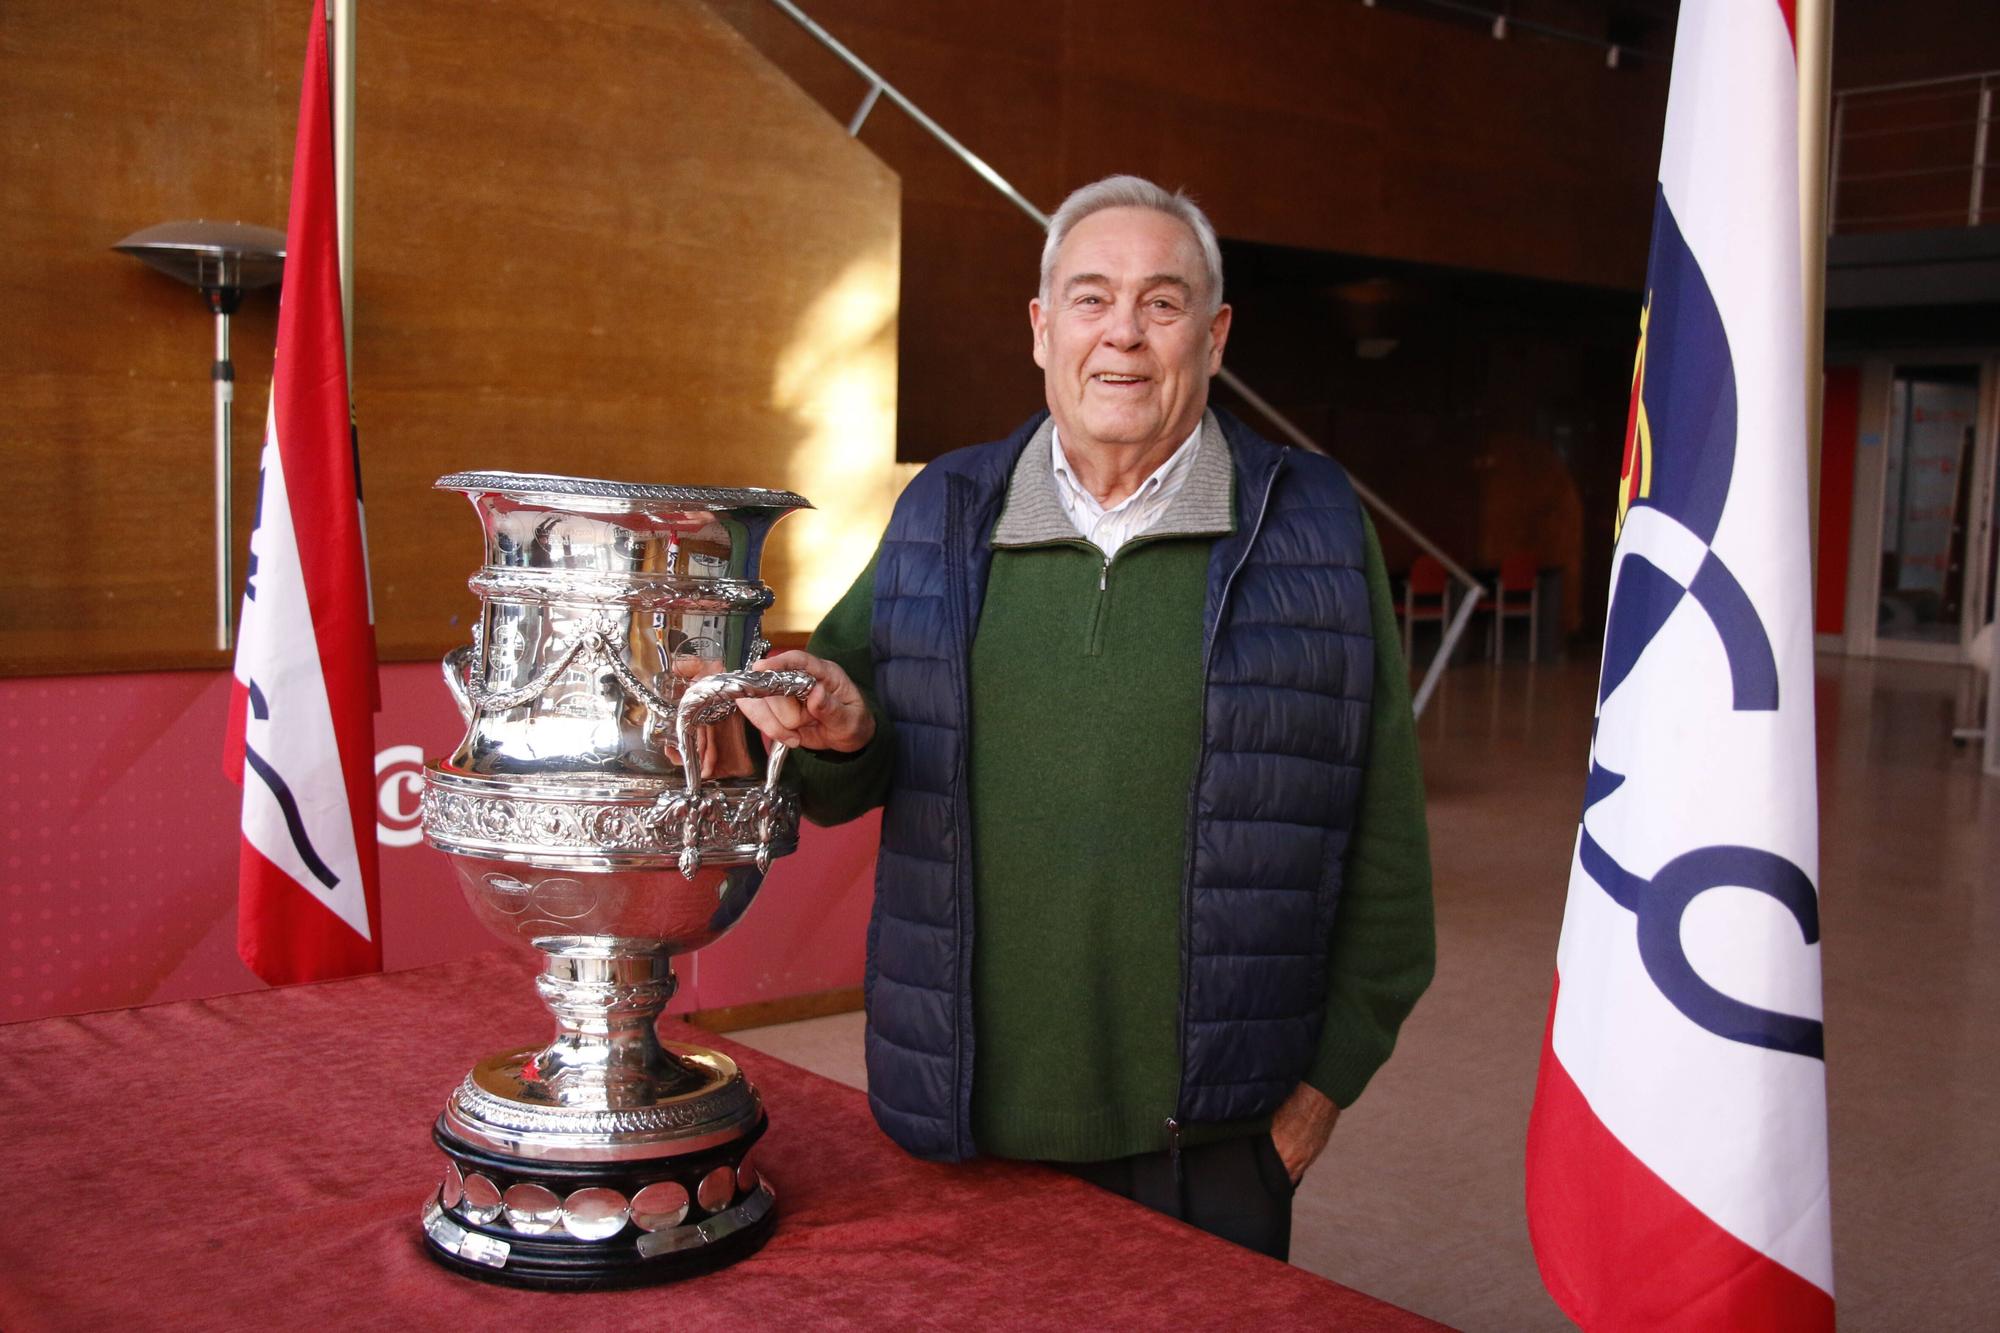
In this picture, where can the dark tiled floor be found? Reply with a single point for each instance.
(1418, 1199)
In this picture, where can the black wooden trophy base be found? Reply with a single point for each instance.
(596, 1225)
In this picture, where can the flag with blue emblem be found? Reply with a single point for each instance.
(1677, 1171)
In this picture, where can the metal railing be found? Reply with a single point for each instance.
(1930, 138)
(880, 88)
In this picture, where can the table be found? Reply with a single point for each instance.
(258, 1162)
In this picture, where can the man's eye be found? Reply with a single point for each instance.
(1090, 300)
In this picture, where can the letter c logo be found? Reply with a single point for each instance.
(399, 790)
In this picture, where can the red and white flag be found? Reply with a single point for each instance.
(1677, 1169)
(301, 729)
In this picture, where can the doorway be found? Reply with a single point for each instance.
(1921, 550)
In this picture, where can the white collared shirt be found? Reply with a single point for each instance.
(1135, 515)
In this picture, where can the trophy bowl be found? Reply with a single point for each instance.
(608, 809)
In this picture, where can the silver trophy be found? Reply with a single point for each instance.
(607, 809)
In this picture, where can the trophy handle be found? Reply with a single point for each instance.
(709, 700)
(457, 668)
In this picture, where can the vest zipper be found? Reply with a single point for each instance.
(1194, 791)
(957, 610)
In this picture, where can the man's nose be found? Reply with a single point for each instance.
(1125, 329)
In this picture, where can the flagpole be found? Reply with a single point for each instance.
(340, 48)
(223, 374)
(1815, 59)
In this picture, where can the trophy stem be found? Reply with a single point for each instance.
(607, 996)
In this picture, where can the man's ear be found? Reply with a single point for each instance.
(1218, 334)
(1038, 325)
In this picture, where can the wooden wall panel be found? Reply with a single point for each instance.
(663, 261)
(119, 116)
(1323, 126)
(1892, 41)
(610, 240)
(1296, 121)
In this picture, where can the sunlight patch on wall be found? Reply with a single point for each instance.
(835, 382)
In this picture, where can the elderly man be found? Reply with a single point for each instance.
(1154, 886)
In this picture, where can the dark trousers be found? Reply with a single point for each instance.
(1237, 1189)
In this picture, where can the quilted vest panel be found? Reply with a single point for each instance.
(1290, 677)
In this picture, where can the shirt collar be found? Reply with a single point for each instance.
(1034, 515)
(1167, 477)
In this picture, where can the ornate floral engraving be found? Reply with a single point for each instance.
(723, 821)
(537, 586)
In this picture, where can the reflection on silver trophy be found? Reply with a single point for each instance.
(606, 808)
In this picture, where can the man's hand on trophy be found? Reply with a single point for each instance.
(833, 716)
(724, 749)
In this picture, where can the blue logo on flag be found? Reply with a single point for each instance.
(1684, 402)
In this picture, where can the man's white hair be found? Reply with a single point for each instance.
(1135, 192)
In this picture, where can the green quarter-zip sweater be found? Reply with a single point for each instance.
(1086, 715)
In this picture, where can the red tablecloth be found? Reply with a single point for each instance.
(258, 1161)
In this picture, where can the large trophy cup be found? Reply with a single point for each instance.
(616, 622)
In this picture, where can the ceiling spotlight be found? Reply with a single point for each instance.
(1499, 27)
(1611, 57)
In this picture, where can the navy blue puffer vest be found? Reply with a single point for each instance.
(1289, 669)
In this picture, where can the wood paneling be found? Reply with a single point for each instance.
(1326, 126)
(118, 116)
(1892, 41)
(609, 240)
(1297, 122)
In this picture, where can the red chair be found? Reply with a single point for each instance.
(1516, 593)
(1426, 596)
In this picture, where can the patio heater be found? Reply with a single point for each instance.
(221, 260)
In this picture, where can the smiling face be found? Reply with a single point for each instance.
(1126, 340)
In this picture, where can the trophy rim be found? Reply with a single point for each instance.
(550, 486)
